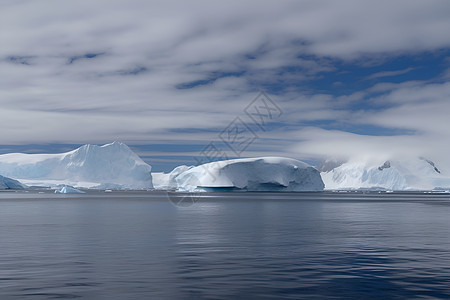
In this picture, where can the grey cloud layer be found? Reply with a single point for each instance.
(92, 71)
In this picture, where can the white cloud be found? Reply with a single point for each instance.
(148, 48)
(390, 73)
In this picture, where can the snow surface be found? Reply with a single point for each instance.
(166, 181)
(249, 174)
(395, 174)
(68, 190)
(112, 165)
(8, 183)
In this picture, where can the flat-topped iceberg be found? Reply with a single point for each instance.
(113, 164)
(248, 174)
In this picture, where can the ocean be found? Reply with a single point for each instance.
(158, 245)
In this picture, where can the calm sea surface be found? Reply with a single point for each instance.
(151, 245)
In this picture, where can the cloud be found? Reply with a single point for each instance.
(139, 71)
(421, 111)
(389, 73)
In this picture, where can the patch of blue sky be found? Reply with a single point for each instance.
(22, 60)
(212, 77)
(73, 59)
(37, 148)
(357, 76)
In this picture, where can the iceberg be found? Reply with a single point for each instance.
(166, 181)
(10, 184)
(394, 174)
(113, 164)
(160, 180)
(248, 174)
(68, 190)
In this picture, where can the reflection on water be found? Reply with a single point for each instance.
(291, 246)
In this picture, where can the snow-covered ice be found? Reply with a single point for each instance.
(160, 180)
(166, 181)
(116, 166)
(111, 165)
(395, 174)
(249, 174)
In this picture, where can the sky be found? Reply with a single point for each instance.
(182, 82)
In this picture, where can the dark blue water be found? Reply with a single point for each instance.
(224, 246)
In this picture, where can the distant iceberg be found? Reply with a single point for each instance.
(395, 174)
(113, 164)
(10, 184)
(68, 190)
(248, 174)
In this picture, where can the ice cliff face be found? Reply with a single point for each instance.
(112, 164)
(398, 174)
(249, 174)
(8, 183)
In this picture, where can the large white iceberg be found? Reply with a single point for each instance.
(113, 164)
(248, 174)
(394, 174)
(10, 184)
